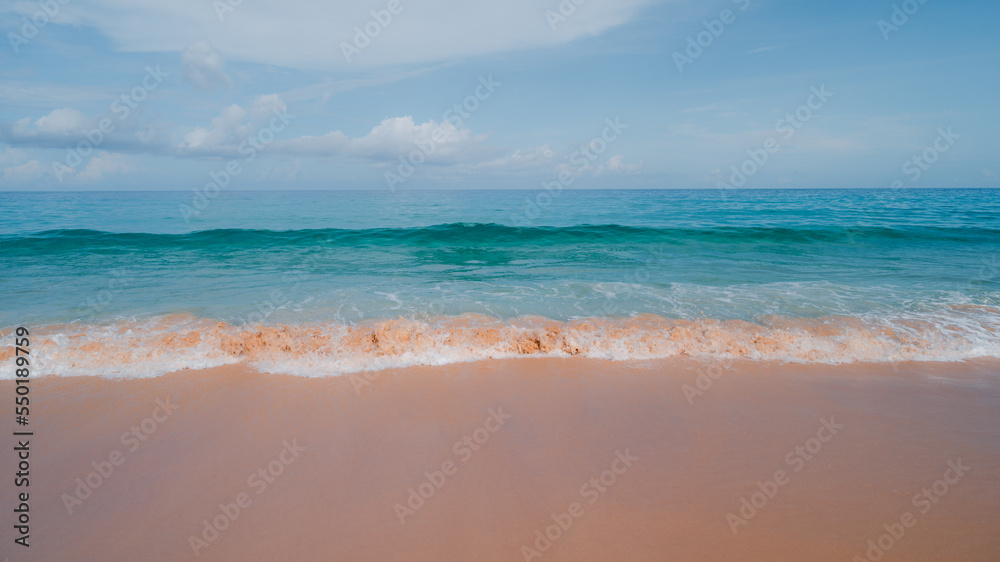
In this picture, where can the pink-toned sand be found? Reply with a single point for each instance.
(346, 450)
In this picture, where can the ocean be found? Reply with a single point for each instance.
(316, 283)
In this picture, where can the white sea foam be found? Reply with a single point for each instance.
(164, 344)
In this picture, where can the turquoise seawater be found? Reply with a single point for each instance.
(914, 258)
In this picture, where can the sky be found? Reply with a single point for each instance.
(452, 94)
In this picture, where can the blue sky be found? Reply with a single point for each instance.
(290, 96)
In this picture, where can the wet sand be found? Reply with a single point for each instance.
(323, 468)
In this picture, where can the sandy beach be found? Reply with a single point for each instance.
(525, 459)
(521, 281)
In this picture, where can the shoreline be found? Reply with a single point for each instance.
(170, 343)
(341, 462)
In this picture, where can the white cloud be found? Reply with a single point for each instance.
(63, 121)
(616, 164)
(386, 142)
(105, 164)
(442, 144)
(16, 168)
(289, 173)
(68, 127)
(308, 33)
(394, 137)
(203, 67)
(10, 156)
(526, 159)
(30, 170)
(233, 126)
(28, 10)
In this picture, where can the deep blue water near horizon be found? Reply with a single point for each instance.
(349, 256)
(161, 211)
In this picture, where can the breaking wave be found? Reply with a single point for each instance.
(170, 343)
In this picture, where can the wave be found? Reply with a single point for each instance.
(73, 240)
(170, 343)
